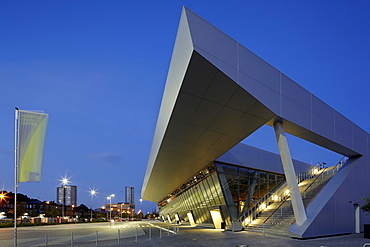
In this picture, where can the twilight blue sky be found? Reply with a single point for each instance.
(99, 68)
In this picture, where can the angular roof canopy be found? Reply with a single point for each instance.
(217, 93)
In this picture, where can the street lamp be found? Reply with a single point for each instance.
(92, 193)
(73, 211)
(121, 212)
(129, 213)
(141, 207)
(110, 206)
(65, 182)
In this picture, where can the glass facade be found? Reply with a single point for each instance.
(229, 189)
(196, 199)
(244, 187)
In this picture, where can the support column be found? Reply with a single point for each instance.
(249, 196)
(286, 159)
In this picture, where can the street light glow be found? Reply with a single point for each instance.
(3, 196)
(65, 181)
(110, 197)
(110, 207)
(92, 193)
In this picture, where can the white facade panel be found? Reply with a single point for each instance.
(261, 92)
(295, 92)
(292, 110)
(322, 126)
(323, 110)
(258, 69)
(212, 40)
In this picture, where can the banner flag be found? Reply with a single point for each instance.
(31, 139)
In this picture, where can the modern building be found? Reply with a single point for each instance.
(121, 209)
(130, 195)
(67, 195)
(218, 93)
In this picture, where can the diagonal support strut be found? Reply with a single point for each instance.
(286, 159)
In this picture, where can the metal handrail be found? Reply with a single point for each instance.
(336, 167)
(316, 178)
(322, 174)
(262, 200)
(282, 187)
(281, 204)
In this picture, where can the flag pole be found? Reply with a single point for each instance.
(16, 140)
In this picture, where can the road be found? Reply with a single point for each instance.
(83, 234)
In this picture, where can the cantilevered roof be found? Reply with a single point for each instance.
(217, 93)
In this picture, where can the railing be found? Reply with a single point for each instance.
(319, 172)
(288, 196)
(278, 194)
(266, 200)
(323, 175)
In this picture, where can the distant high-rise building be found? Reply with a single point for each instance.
(67, 195)
(130, 195)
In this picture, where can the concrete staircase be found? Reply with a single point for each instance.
(277, 218)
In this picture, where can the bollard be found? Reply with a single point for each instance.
(119, 235)
(46, 240)
(97, 238)
(71, 239)
(150, 232)
(136, 234)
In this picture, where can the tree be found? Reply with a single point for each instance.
(83, 210)
(21, 208)
(366, 206)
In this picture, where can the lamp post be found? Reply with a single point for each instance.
(110, 207)
(92, 193)
(105, 211)
(121, 210)
(73, 211)
(64, 183)
(141, 207)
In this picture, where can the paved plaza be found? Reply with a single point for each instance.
(158, 234)
(197, 236)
